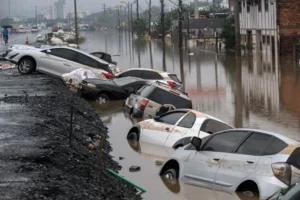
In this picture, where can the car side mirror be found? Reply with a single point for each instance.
(196, 142)
(48, 51)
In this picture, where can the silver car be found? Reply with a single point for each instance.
(55, 60)
(254, 163)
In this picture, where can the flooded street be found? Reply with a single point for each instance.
(255, 92)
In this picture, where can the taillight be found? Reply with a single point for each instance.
(143, 104)
(283, 172)
(172, 84)
(108, 75)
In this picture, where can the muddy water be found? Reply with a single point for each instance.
(256, 92)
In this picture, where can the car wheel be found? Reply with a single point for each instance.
(171, 176)
(102, 99)
(26, 66)
(133, 136)
(248, 192)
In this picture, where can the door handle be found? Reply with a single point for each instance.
(66, 64)
(216, 159)
(249, 161)
(150, 106)
(167, 129)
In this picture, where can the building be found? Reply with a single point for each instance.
(48, 12)
(270, 25)
(80, 14)
(59, 9)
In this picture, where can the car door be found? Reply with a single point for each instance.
(181, 128)
(201, 166)
(158, 130)
(57, 61)
(239, 165)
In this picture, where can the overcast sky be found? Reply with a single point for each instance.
(26, 7)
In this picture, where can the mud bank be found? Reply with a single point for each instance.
(36, 160)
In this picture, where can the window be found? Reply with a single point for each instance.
(266, 5)
(225, 142)
(174, 78)
(240, 7)
(124, 81)
(294, 158)
(263, 39)
(85, 60)
(188, 121)
(64, 53)
(255, 144)
(165, 97)
(274, 147)
(259, 5)
(132, 73)
(149, 75)
(268, 39)
(212, 126)
(248, 5)
(171, 118)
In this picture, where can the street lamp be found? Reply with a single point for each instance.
(76, 25)
(8, 12)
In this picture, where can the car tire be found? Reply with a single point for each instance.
(171, 176)
(133, 136)
(26, 66)
(102, 99)
(248, 193)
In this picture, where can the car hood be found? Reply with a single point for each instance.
(23, 47)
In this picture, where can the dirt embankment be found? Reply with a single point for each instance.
(36, 160)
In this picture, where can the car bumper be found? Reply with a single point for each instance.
(11, 60)
(88, 92)
(134, 112)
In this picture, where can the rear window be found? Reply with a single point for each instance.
(164, 97)
(174, 78)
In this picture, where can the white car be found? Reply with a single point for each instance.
(255, 164)
(55, 61)
(176, 128)
(34, 29)
(22, 30)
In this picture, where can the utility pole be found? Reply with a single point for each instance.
(128, 15)
(131, 19)
(119, 18)
(237, 28)
(104, 10)
(137, 9)
(163, 33)
(149, 23)
(36, 19)
(180, 43)
(8, 12)
(76, 25)
(196, 7)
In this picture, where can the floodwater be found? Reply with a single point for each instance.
(255, 92)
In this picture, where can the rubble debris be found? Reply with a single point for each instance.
(121, 158)
(7, 66)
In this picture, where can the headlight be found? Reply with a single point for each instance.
(91, 85)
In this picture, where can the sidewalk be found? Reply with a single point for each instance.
(35, 157)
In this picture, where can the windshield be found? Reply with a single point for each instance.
(124, 81)
(174, 78)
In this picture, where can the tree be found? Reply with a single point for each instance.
(139, 27)
(6, 21)
(228, 33)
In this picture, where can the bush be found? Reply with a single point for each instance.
(228, 33)
(139, 27)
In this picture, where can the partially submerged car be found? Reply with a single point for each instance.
(55, 61)
(151, 74)
(104, 56)
(147, 101)
(254, 163)
(176, 128)
(105, 90)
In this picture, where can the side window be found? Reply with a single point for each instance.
(85, 60)
(188, 121)
(255, 144)
(133, 73)
(225, 142)
(149, 75)
(274, 147)
(64, 53)
(171, 118)
(212, 126)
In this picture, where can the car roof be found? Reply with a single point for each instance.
(147, 69)
(279, 136)
(87, 54)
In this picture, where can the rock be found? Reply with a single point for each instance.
(134, 168)
(121, 158)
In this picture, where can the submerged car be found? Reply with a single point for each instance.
(55, 61)
(151, 74)
(105, 90)
(250, 162)
(176, 128)
(147, 102)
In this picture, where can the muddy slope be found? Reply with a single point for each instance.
(36, 160)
